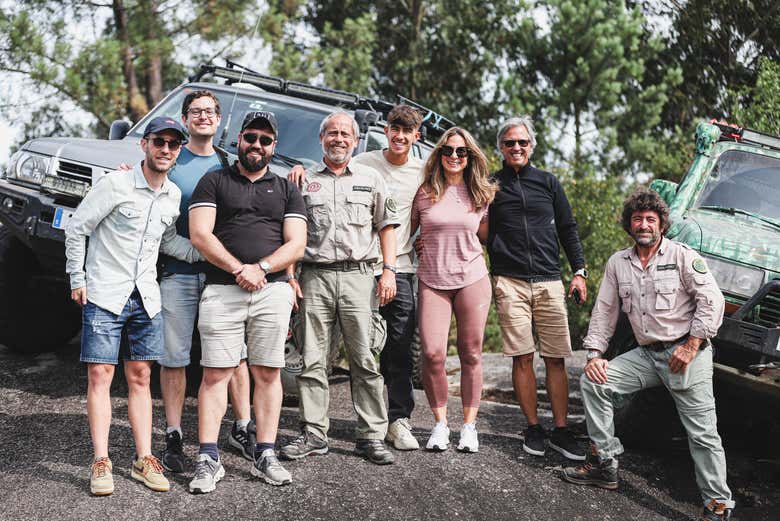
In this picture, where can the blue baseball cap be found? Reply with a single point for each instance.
(161, 123)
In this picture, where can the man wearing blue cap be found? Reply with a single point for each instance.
(129, 217)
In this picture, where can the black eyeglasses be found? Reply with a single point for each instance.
(195, 112)
(510, 143)
(251, 137)
(158, 142)
(461, 152)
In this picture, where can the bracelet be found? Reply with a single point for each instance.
(390, 267)
(291, 277)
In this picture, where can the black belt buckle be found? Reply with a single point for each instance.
(663, 346)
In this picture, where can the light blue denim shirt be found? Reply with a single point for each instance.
(128, 224)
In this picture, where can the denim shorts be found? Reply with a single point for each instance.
(103, 333)
(180, 299)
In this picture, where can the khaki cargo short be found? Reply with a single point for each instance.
(235, 324)
(528, 309)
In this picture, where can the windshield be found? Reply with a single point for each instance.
(745, 181)
(298, 127)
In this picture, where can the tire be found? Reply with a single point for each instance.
(36, 313)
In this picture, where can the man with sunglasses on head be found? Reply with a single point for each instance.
(527, 219)
(250, 224)
(181, 286)
(129, 218)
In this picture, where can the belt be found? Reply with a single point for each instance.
(663, 346)
(339, 266)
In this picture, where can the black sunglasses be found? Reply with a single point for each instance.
(251, 137)
(461, 152)
(510, 143)
(158, 142)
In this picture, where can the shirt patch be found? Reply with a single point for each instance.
(699, 266)
(390, 204)
(664, 267)
(314, 187)
(359, 188)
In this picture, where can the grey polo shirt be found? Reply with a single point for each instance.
(345, 214)
(128, 224)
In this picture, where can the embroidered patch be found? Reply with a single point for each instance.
(359, 188)
(664, 267)
(390, 204)
(699, 266)
(314, 187)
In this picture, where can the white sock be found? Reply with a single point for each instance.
(242, 424)
(177, 429)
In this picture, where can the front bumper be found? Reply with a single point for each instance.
(735, 333)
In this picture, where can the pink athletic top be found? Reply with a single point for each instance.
(452, 255)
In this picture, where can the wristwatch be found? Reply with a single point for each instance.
(264, 266)
(582, 272)
(390, 267)
(593, 353)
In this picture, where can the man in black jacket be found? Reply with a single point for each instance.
(528, 217)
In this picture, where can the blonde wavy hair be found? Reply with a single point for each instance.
(476, 175)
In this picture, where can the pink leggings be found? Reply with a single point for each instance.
(471, 305)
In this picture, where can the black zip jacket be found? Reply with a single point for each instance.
(528, 216)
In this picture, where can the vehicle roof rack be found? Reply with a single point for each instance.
(729, 132)
(432, 124)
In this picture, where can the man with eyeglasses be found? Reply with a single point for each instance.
(181, 286)
(527, 219)
(250, 224)
(129, 218)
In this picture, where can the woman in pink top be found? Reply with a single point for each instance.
(451, 209)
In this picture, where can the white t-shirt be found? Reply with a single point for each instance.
(402, 182)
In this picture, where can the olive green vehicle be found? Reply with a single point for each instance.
(727, 207)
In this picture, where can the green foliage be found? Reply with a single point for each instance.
(758, 107)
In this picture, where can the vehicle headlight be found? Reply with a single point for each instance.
(28, 167)
(734, 278)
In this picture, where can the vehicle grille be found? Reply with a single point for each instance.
(769, 313)
(75, 171)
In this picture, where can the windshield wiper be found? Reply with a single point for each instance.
(734, 211)
(290, 161)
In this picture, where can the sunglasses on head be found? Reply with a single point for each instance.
(251, 137)
(510, 143)
(158, 142)
(461, 152)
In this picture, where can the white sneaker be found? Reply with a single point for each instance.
(468, 438)
(399, 434)
(440, 437)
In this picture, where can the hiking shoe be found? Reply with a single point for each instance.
(101, 481)
(374, 451)
(399, 435)
(207, 474)
(149, 471)
(534, 440)
(595, 471)
(715, 511)
(305, 444)
(172, 456)
(468, 438)
(244, 440)
(440, 438)
(268, 468)
(562, 440)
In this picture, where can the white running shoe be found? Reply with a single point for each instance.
(440, 437)
(399, 434)
(468, 438)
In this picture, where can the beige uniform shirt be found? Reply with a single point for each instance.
(345, 214)
(402, 181)
(671, 297)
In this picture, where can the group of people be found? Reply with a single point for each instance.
(337, 243)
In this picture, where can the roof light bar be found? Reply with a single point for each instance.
(321, 94)
(759, 138)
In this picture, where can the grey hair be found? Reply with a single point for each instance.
(517, 121)
(340, 112)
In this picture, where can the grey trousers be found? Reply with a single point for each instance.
(641, 368)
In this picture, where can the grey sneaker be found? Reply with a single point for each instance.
(268, 468)
(595, 471)
(207, 474)
(305, 444)
(244, 440)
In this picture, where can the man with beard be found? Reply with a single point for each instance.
(129, 218)
(181, 285)
(251, 226)
(674, 306)
(350, 216)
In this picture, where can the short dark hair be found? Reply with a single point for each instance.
(192, 96)
(643, 200)
(404, 116)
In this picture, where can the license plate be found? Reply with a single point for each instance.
(61, 218)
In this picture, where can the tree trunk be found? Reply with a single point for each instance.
(577, 167)
(154, 88)
(136, 104)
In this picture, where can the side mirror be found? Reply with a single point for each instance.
(119, 129)
(666, 189)
(365, 119)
